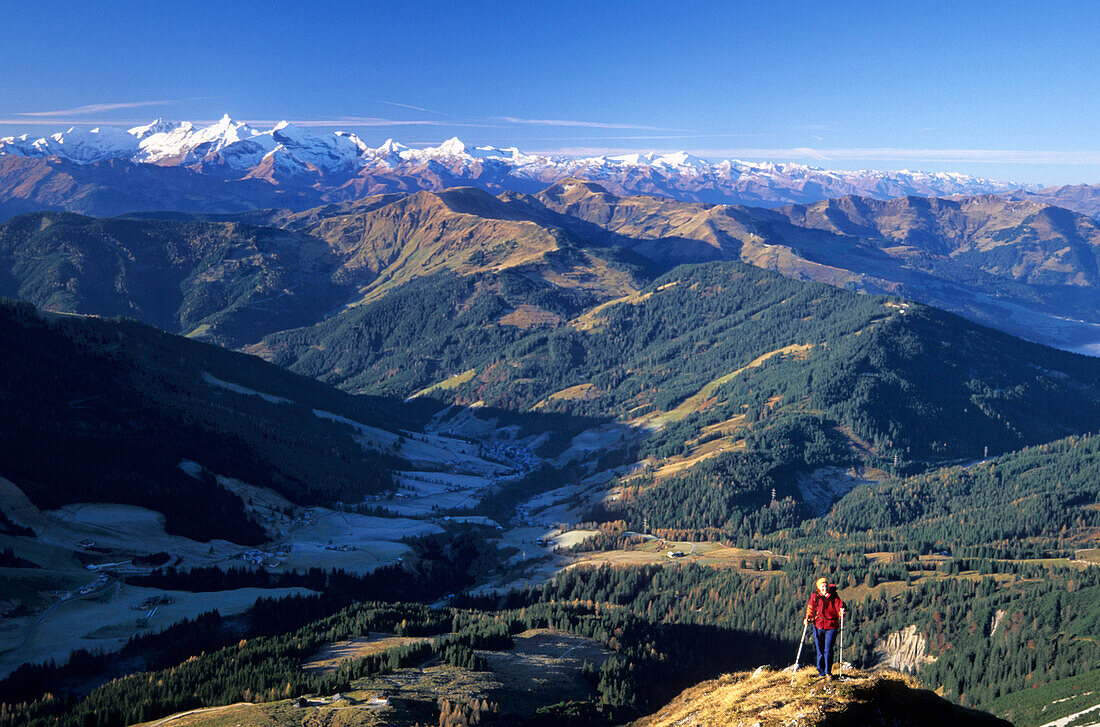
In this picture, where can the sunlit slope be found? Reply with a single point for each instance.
(1020, 265)
(233, 279)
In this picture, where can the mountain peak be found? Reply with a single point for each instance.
(156, 126)
(452, 147)
(285, 132)
(572, 186)
(681, 159)
(392, 147)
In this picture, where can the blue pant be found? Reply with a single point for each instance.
(823, 640)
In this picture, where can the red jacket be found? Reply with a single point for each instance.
(824, 611)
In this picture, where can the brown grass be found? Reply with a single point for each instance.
(330, 656)
(727, 427)
(712, 554)
(447, 384)
(542, 668)
(704, 397)
(530, 316)
(1089, 555)
(589, 320)
(894, 588)
(573, 393)
(767, 698)
(884, 557)
(677, 465)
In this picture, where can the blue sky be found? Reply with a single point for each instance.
(1007, 90)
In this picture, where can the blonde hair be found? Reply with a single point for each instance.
(819, 581)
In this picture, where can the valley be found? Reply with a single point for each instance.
(89, 554)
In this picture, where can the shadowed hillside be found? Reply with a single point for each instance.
(225, 281)
(108, 410)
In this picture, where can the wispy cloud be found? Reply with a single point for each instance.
(580, 124)
(98, 108)
(80, 116)
(59, 123)
(641, 137)
(593, 151)
(894, 154)
(408, 106)
(350, 122)
(372, 121)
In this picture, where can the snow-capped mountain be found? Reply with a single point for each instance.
(332, 167)
(233, 146)
(83, 146)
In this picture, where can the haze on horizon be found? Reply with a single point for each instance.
(1004, 91)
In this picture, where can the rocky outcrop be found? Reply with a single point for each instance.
(905, 650)
(767, 697)
(995, 623)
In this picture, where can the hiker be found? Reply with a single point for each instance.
(825, 611)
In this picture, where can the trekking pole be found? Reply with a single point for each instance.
(798, 655)
(841, 674)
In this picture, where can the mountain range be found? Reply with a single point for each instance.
(569, 300)
(1026, 267)
(89, 171)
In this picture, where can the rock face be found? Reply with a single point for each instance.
(767, 697)
(904, 650)
(996, 622)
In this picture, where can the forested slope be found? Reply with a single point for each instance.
(228, 281)
(1044, 494)
(914, 381)
(108, 409)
